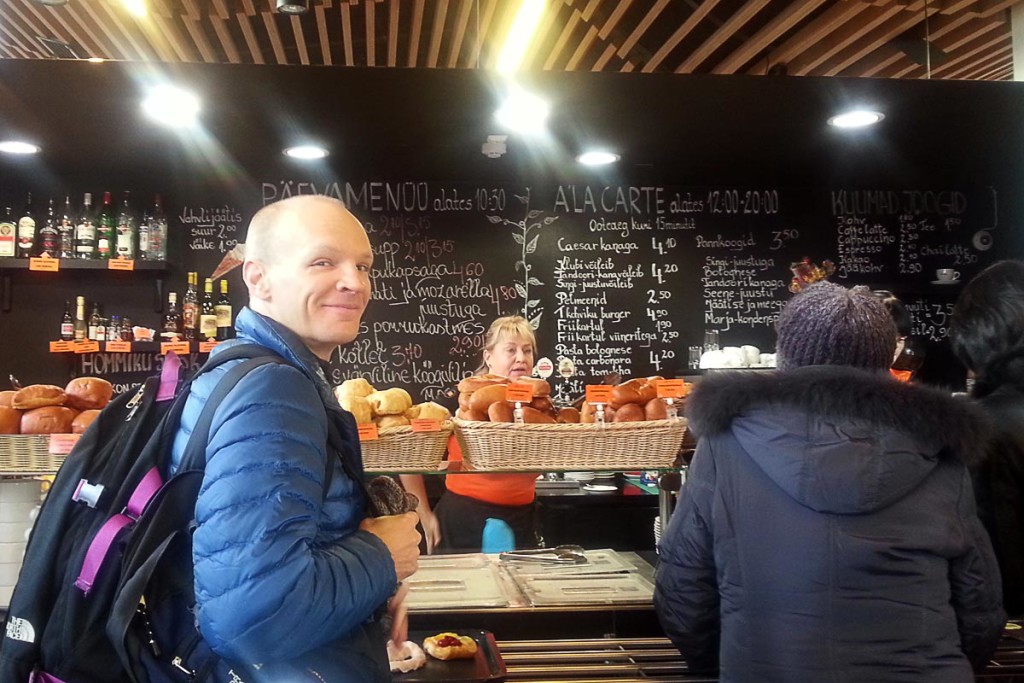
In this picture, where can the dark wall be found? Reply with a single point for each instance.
(401, 136)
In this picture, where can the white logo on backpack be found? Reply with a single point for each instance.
(20, 629)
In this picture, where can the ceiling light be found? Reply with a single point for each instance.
(597, 158)
(95, 60)
(136, 7)
(523, 112)
(52, 3)
(306, 152)
(19, 147)
(857, 118)
(171, 106)
(524, 25)
(292, 6)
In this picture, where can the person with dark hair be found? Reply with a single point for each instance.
(827, 529)
(907, 357)
(987, 334)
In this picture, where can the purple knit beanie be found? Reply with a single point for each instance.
(826, 324)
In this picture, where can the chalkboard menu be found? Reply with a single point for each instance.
(623, 279)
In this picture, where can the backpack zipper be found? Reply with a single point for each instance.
(144, 615)
(178, 664)
(133, 403)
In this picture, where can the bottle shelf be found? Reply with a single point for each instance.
(12, 263)
(131, 347)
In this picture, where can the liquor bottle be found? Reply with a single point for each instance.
(67, 324)
(126, 230)
(190, 307)
(101, 330)
(114, 328)
(81, 328)
(153, 233)
(85, 230)
(171, 327)
(49, 235)
(106, 230)
(208, 314)
(8, 234)
(127, 334)
(94, 321)
(66, 228)
(223, 311)
(27, 230)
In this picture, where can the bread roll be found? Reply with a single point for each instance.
(542, 403)
(6, 397)
(384, 421)
(589, 414)
(534, 416)
(464, 400)
(472, 415)
(450, 646)
(631, 412)
(37, 396)
(390, 401)
(429, 411)
(648, 391)
(10, 420)
(501, 411)
(482, 399)
(47, 420)
(656, 409)
(474, 382)
(356, 386)
(359, 407)
(83, 420)
(540, 387)
(88, 393)
(568, 416)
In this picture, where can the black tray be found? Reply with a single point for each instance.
(487, 665)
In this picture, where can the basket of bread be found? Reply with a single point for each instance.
(407, 438)
(28, 416)
(637, 432)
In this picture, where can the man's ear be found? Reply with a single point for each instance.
(256, 279)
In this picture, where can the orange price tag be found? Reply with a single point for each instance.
(87, 347)
(61, 444)
(519, 391)
(207, 346)
(121, 264)
(422, 425)
(368, 432)
(61, 347)
(599, 393)
(179, 347)
(118, 347)
(669, 388)
(44, 264)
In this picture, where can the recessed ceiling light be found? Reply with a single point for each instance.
(135, 7)
(306, 152)
(523, 112)
(96, 60)
(52, 3)
(292, 6)
(171, 106)
(19, 147)
(597, 158)
(857, 118)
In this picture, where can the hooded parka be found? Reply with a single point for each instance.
(828, 532)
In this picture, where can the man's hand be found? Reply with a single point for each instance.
(400, 536)
(431, 529)
(399, 612)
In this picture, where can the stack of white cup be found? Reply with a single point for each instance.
(18, 500)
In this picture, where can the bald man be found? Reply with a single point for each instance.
(289, 574)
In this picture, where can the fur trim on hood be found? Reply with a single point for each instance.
(842, 392)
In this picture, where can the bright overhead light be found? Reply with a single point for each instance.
(136, 7)
(52, 3)
(523, 112)
(597, 158)
(292, 6)
(306, 152)
(857, 118)
(19, 147)
(171, 106)
(524, 25)
(95, 60)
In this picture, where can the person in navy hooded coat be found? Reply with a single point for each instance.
(827, 530)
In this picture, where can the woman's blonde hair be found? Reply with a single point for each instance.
(507, 327)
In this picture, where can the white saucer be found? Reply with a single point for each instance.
(600, 488)
(945, 282)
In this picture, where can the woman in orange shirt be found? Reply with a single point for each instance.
(457, 523)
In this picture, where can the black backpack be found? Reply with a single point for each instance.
(80, 614)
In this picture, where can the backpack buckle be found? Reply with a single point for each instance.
(87, 493)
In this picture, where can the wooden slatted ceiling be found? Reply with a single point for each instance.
(866, 38)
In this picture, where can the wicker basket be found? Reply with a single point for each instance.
(543, 447)
(25, 454)
(399, 449)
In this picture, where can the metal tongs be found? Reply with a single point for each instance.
(562, 554)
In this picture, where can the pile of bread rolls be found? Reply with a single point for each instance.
(387, 408)
(633, 401)
(48, 409)
(482, 399)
